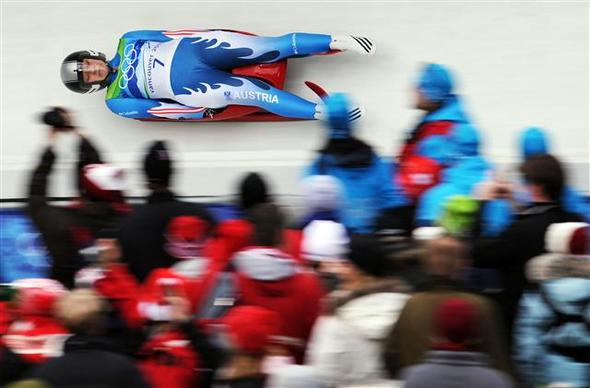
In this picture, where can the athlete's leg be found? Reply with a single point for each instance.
(226, 50)
(217, 89)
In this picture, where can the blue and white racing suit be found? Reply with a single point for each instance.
(178, 74)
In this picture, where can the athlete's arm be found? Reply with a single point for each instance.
(152, 35)
(161, 35)
(140, 108)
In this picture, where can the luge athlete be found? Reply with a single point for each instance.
(186, 74)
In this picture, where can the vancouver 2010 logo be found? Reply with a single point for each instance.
(127, 69)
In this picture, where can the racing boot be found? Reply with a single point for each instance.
(358, 44)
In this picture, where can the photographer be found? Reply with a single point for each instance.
(544, 179)
(67, 230)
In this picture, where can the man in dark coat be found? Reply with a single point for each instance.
(525, 238)
(67, 230)
(142, 234)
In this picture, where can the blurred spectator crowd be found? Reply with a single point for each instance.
(436, 270)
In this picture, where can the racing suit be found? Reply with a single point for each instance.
(183, 74)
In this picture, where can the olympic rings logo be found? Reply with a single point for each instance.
(127, 70)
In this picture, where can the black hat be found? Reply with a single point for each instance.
(55, 117)
(253, 191)
(157, 164)
(368, 255)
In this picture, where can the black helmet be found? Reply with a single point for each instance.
(71, 72)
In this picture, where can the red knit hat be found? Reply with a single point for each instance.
(185, 235)
(456, 321)
(251, 328)
(38, 296)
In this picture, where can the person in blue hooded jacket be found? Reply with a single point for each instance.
(368, 190)
(552, 332)
(498, 214)
(442, 108)
(468, 168)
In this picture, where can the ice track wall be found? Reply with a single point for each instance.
(517, 63)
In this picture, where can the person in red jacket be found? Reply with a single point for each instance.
(36, 334)
(270, 278)
(177, 353)
(248, 336)
(195, 275)
(33, 333)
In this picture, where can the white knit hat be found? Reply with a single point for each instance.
(103, 181)
(324, 240)
(567, 237)
(322, 192)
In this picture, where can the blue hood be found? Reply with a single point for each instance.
(533, 141)
(435, 82)
(337, 108)
(452, 110)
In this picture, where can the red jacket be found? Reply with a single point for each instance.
(137, 303)
(272, 279)
(417, 173)
(122, 290)
(230, 237)
(6, 317)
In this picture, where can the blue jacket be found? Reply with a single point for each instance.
(468, 169)
(457, 180)
(367, 182)
(546, 349)
(439, 147)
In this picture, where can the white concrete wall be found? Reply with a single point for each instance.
(518, 64)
